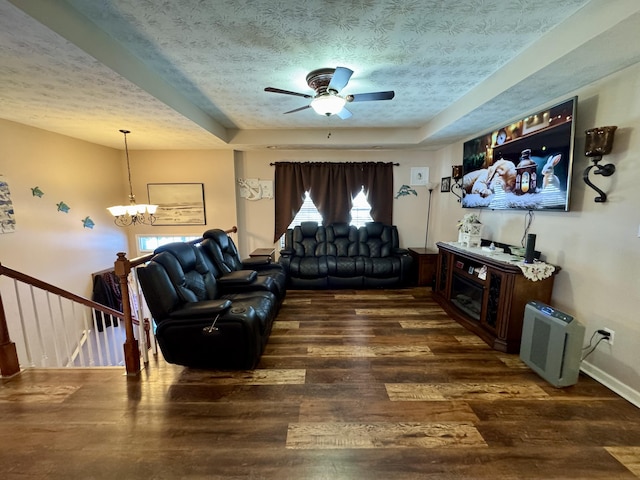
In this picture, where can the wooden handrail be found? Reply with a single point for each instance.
(122, 268)
(21, 277)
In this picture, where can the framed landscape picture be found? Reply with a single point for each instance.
(178, 203)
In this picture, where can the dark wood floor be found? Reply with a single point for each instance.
(374, 384)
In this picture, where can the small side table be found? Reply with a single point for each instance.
(426, 263)
(263, 252)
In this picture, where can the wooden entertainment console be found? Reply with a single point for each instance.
(487, 295)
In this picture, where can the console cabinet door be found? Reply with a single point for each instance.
(443, 274)
(496, 312)
(493, 294)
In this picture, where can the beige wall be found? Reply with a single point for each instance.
(49, 244)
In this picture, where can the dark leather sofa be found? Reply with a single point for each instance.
(343, 256)
(203, 321)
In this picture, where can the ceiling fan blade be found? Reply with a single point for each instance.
(344, 113)
(286, 92)
(340, 79)
(299, 109)
(365, 97)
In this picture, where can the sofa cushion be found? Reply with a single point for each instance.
(342, 240)
(225, 255)
(309, 240)
(262, 302)
(377, 240)
(187, 271)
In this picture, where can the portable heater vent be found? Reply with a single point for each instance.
(551, 344)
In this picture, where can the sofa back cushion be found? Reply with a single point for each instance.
(377, 240)
(309, 240)
(159, 291)
(222, 250)
(187, 270)
(342, 240)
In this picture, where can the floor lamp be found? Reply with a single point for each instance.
(430, 186)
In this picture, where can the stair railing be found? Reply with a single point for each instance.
(33, 311)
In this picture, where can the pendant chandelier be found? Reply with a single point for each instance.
(133, 213)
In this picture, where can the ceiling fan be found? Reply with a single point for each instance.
(327, 83)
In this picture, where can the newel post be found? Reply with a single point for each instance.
(8, 355)
(122, 269)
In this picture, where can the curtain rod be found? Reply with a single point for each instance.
(395, 164)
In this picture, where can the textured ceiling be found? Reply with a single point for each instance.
(191, 74)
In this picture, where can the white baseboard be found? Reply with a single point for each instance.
(611, 383)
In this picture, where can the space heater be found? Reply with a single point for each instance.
(551, 344)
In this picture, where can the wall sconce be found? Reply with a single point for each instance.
(456, 175)
(598, 143)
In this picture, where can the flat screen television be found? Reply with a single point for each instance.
(525, 165)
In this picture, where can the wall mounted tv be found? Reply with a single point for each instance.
(525, 165)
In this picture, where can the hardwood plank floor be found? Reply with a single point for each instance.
(376, 384)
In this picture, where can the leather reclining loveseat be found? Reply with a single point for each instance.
(343, 256)
(204, 317)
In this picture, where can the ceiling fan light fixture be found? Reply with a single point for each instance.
(328, 104)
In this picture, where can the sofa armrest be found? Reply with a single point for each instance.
(250, 263)
(400, 251)
(286, 252)
(237, 277)
(204, 309)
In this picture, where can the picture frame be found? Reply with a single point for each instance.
(445, 184)
(178, 203)
(419, 176)
(7, 217)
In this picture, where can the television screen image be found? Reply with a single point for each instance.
(525, 165)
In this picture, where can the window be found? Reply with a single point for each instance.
(307, 213)
(360, 212)
(148, 243)
(334, 181)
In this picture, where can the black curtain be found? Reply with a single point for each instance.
(331, 186)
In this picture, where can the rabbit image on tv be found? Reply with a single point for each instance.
(549, 178)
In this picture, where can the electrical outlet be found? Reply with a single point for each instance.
(611, 335)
